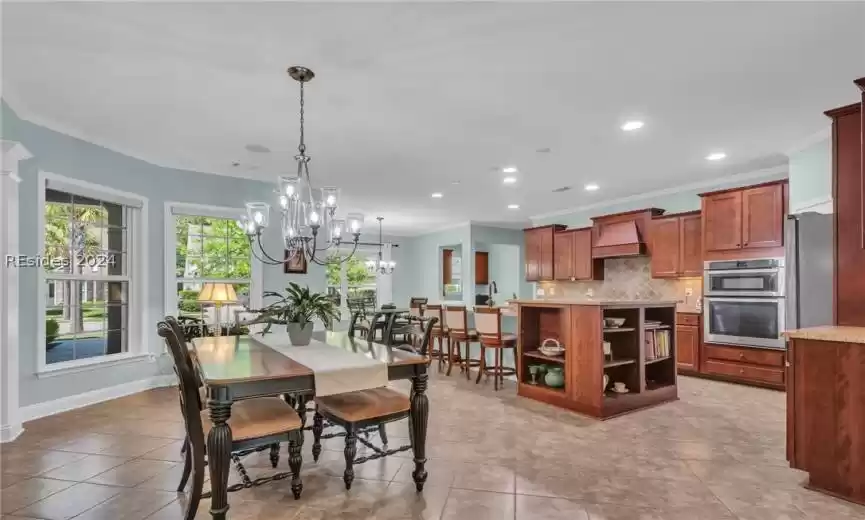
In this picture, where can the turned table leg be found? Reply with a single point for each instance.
(419, 415)
(219, 456)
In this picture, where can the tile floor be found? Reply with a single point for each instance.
(717, 454)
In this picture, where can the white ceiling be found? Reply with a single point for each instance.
(409, 97)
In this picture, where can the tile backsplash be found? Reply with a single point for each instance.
(629, 279)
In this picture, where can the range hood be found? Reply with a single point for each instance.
(622, 234)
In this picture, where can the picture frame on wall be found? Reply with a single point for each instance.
(295, 262)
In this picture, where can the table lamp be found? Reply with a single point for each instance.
(217, 294)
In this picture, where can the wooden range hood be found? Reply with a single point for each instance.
(622, 234)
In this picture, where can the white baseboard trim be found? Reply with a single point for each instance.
(10, 432)
(64, 404)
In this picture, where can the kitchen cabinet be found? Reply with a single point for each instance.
(676, 244)
(447, 263)
(573, 256)
(847, 163)
(482, 268)
(540, 252)
(757, 366)
(688, 334)
(744, 222)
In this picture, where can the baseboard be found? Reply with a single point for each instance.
(64, 404)
(10, 432)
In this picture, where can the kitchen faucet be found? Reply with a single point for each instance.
(492, 288)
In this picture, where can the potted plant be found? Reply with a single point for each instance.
(296, 309)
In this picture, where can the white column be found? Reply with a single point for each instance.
(10, 422)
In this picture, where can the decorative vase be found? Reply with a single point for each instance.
(300, 334)
(555, 377)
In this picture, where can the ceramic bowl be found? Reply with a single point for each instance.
(614, 322)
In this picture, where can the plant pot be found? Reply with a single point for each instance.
(300, 333)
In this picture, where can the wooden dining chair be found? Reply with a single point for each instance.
(362, 410)
(417, 305)
(254, 423)
(439, 334)
(459, 333)
(488, 323)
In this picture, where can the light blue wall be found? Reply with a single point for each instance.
(63, 155)
(811, 176)
(509, 279)
(422, 261)
(687, 200)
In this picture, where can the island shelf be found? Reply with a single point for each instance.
(641, 354)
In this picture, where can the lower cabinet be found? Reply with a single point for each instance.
(764, 367)
(688, 334)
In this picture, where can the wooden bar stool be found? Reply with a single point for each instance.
(440, 333)
(457, 320)
(488, 323)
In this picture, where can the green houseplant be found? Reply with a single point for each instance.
(296, 309)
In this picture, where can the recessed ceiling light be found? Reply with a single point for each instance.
(455, 183)
(630, 126)
(437, 195)
(591, 187)
(716, 156)
(513, 206)
(509, 180)
(509, 169)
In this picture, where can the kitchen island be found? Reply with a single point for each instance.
(639, 354)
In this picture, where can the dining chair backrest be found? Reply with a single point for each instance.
(457, 318)
(435, 310)
(417, 305)
(189, 398)
(488, 322)
(420, 327)
(356, 318)
(177, 328)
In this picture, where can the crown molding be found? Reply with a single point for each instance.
(823, 134)
(694, 186)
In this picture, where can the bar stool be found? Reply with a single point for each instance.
(488, 323)
(457, 320)
(440, 333)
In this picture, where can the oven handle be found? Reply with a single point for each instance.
(710, 272)
(774, 299)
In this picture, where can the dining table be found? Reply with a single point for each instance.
(240, 367)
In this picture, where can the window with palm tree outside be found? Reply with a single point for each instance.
(210, 249)
(86, 252)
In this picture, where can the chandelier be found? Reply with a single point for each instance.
(309, 222)
(379, 266)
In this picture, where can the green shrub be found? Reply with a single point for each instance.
(52, 330)
(188, 295)
(189, 306)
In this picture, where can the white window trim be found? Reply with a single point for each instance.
(138, 346)
(256, 289)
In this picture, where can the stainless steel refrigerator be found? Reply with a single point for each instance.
(809, 266)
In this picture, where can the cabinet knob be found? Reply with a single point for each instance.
(741, 355)
(741, 370)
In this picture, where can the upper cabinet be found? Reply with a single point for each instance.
(573, 256)
(749, 219)
(676, 245)
(540, 253)
(482, 268)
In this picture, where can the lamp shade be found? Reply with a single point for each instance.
(213, 292)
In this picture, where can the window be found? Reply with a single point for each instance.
(86, 252)
(210, 247)
(353, 278)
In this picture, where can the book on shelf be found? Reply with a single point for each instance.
(657, 344)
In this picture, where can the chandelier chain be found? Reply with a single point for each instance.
(302, 146)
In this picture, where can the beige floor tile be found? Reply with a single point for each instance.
(463, 504)
(402, 500)
(32, 463)
(617, 512)
(83, 469)
(169, 452)
(132, 473)
(482, 477)
(70, 502)
(29, 491)
(543, 508)
(129, 505)
(134, 446)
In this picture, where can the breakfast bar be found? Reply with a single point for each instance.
(600, 358)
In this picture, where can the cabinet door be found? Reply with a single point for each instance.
(722, 221)
(531, 254)
(482, 268)
(582, 254)
(687, 347)
(564, 259)
(546, 256)
(665, 247)
(763, 216)
(690, 246)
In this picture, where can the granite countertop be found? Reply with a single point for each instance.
(586, 301)
(829, 333)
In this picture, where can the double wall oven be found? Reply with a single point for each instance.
(745, 302)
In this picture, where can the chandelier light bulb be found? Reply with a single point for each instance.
(283, 201)
(313, 217)
(331, 200)
(258, 217)
(250, 227)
